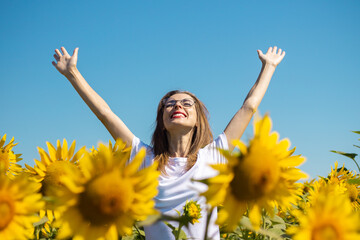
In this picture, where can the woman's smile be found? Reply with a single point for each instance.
(178, 114)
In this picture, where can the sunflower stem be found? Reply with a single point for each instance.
(137, 229)
(356, 163)
(207, 223)
(178, 232)
(246, 234)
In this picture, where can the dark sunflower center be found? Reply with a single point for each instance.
(106, 198)
(353, 193)
(7, 210)
(256, 175)
(194, 211)
(327, 232)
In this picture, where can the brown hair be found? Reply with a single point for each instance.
(201, 137)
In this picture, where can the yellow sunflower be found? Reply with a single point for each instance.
(8, 160)
(330, 217)
(110, 196)
(352, 189)
(192, 211)
(19, 203)
(260, 176)
(53, 165)
(338, 179)
(314, 192)
(48, 171)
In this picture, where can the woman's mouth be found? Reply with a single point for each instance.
(178, 114)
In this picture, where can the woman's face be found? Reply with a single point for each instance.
(179, 112)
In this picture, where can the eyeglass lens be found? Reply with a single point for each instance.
(184, 102)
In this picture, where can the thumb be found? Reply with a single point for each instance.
(75, 53)
(260, 53)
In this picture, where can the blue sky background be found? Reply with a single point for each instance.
(133, 52)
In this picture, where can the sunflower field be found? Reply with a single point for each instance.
(98, 193)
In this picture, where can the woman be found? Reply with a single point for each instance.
(182, 141)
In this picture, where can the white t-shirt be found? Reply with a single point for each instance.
(176, 187)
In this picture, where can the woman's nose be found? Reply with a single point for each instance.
(178, 105)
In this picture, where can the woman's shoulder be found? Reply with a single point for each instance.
(210, 153)
(219, 142)
(136, 146)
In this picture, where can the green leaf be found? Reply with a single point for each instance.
(358, 132)
(246, 223)
(175, 231)
(277, 220)
(42, 221)
(354, 181)
(357, 145)
(238, 231)
(276, 231)
(349, 155)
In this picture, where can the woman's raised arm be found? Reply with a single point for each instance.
(66, 65)
(241, 119)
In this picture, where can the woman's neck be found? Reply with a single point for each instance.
(179, 143)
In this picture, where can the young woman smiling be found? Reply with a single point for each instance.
(182, 141)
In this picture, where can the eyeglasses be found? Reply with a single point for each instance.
(186, 102)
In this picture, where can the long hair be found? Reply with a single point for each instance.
(202, 134)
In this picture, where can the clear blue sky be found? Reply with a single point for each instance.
(133, 52)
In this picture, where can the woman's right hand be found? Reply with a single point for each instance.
(64, 62)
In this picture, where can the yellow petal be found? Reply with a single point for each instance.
(52, 151)
(239, 144)
(64, 150)
(255, 216)
(292, 161)
(132, 168)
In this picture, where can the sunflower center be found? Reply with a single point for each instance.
(54, 172)
(352, 191)
(7, 210)
(4, 159)
(327, 232)
(256, 175)
(105, 198)
(193, 210)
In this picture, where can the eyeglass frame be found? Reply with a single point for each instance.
(165, 101)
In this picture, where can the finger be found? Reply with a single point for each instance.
(58, 52)
(64, 51)
(260, 53)
(283, 54)
(279, 51)
(75, 53)
(54, 64)
(274, 49)
(56, 57)
(269, 50)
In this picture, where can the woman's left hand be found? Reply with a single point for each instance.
(272, 57)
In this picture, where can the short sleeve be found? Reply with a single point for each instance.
(211, 153)
(136, 145)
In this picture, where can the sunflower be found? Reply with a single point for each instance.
(110, 196)
(48, 171)
(192, 211)
(330, 217)
(340, 181)
(259, 176)
(8, 160)
(19, 203)
(53, 165)
(352, 189)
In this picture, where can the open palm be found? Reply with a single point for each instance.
(64, 62)
(272, 56)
